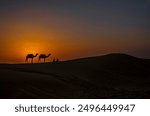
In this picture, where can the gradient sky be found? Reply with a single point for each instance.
(73, 28)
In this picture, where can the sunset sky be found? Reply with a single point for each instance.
(71, 29)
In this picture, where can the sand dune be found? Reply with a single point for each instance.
(108, 76)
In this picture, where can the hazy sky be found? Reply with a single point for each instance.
(73, 28)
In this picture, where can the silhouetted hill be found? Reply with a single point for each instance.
(112, 69)
(107, 76)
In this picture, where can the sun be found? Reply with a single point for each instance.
(22, 47)
(31, 47)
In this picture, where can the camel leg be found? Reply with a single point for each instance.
(31, 60)
(26, 60)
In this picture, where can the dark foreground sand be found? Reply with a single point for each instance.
(109, 76)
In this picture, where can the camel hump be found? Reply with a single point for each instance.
(42, 55)
(29, 55)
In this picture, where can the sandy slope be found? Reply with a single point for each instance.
(109, 76)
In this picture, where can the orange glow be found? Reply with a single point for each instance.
(69, 32)
(22, 38)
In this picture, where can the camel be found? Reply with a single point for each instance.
(31, 56)
(43, 56)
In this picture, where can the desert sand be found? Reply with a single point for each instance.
(108, 76)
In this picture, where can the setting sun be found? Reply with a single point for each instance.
(69, 32)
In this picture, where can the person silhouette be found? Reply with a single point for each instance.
(57, 60)
(54, 60)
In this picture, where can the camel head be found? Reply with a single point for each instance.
(48, 55)
(36, 54)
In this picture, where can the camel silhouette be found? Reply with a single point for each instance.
(31, 56)
(43, 56)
